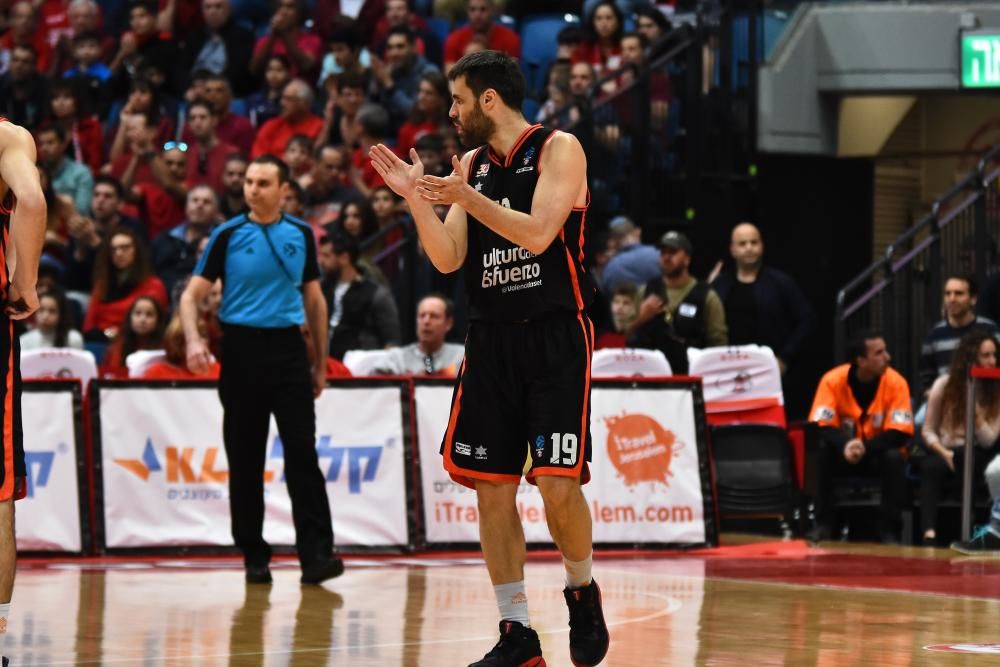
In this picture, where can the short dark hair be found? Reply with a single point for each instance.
(236, 157)
(351, 80)
(345, 243)
(297, 190)
(149, 6)
(284, 175)
(857, 346)
(86, 36)
(430, 142)
(491, 69)
(56, 129)
(302, 140)
(401, 30)
(374, 120)
(449, 305)
(967, 279)
(116, 185)
(203, 104)
(643, 42)
(347, 35)
(571, 35)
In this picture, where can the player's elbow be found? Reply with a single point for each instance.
(541, 240)
(31, 203)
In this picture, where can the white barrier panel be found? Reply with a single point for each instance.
(646, 484)
(49, 518)
(646, 480)
(165, 474)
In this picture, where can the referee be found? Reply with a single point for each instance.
(270, 278)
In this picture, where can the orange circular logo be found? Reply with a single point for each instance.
(640, 449)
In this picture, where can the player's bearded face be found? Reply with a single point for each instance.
(476, 129)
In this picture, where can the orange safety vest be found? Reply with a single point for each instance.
(836, 406)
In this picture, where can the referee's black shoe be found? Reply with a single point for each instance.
(588, 634)
(260, 574)
(321, 570)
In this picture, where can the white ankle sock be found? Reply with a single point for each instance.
(578, 572)
(513, 602)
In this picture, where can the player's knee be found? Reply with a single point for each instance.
(558, 492)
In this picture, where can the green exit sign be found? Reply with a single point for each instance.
(981, 59)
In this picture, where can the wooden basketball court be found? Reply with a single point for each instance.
(775, 603)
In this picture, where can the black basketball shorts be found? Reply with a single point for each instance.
(522, 402)
(12, 468)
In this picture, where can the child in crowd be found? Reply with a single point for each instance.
(142, 329)
(53, 324)
(297, 155)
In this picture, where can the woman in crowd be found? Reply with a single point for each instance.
(53, 324)
(602, 43)
(122, 274)
(142, 97)
(944, 426)
(265, 104)
(651, 24)
(429, 114)
(140, 329)
(357, 219)
(71, 111)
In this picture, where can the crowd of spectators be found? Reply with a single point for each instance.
(146, 114)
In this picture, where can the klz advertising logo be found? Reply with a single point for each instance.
(640, 449)
(190, 465)
(38, 467)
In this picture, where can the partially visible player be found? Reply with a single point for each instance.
(516, 224)
(23, 216)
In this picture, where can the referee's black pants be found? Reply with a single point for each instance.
(265, 372)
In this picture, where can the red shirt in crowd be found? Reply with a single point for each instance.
(410, 132)
(275, 133)
(498, 38)
(208, 169)
(38, 43)
(158, 209)
(107, 314)
(232, 129)
(602, 61)
(164, 370)
(88, 143)
(53, 21)
(306, 41)
(363, 164)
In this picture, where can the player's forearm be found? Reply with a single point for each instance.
(441, 247)
(520, 228)
(27, 225)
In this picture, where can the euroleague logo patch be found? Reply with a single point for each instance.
(640, 449)
(982, 649)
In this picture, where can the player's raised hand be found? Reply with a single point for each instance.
(397, 174)
(448, 190)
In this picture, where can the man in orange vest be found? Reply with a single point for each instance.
(865, 417)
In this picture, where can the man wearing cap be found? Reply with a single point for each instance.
(679, 311)
(634, 262)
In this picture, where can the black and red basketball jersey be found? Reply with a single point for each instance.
(505, 281)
